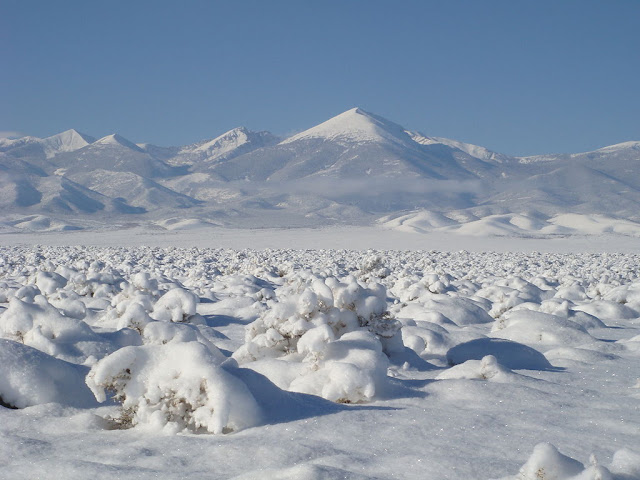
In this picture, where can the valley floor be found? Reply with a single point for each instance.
(347, 237)
(520, 357)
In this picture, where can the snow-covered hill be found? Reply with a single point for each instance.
(351, 169)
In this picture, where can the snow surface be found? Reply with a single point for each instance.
(450, 364)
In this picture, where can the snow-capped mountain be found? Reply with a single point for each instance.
(352, 168)
(228, 145)
(114, 153)
(32, 147)
(68, 141)
(354, 145)
(355, 125)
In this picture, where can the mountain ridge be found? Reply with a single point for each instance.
(351, 169)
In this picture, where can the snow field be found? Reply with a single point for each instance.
(454, 365)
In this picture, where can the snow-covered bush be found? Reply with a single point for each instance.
(49, 282)
(308, 302)
(177, 305)
(547, 463)
(336, 329)
(40, 325)
(351, 369)
(373, 268)
(174, 387)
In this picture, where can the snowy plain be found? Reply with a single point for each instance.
(344, 352)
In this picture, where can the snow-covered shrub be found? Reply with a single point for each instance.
(143, 281)
(351, 369)
(40, 325)
(373, 268)
(308, 302)
(238, 285)
(177, 305)
(409, 288)
(135, 316)
(49, 282)
(174, 387)
(330, 335)
(547, 463)
(506, 293)
(96, 284)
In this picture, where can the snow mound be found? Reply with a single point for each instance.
(512, 355)
(608, 310)
(486, 369)
(547, 463)
(540, 329)
(31, 377)
(183, 223)
(174, 387)
(440, 308)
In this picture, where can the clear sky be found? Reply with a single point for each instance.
(519, 77)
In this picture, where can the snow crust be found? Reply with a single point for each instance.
(322, 363)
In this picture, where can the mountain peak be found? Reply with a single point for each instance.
(227, 141)
(355, 125)
(355, 111)
(117, 140)
(235, 142)
(73, 133)
(67, 141)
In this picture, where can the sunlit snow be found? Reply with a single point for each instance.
(139, 362)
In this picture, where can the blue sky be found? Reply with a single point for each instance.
(519, 77)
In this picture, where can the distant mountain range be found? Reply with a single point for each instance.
(356, 168)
